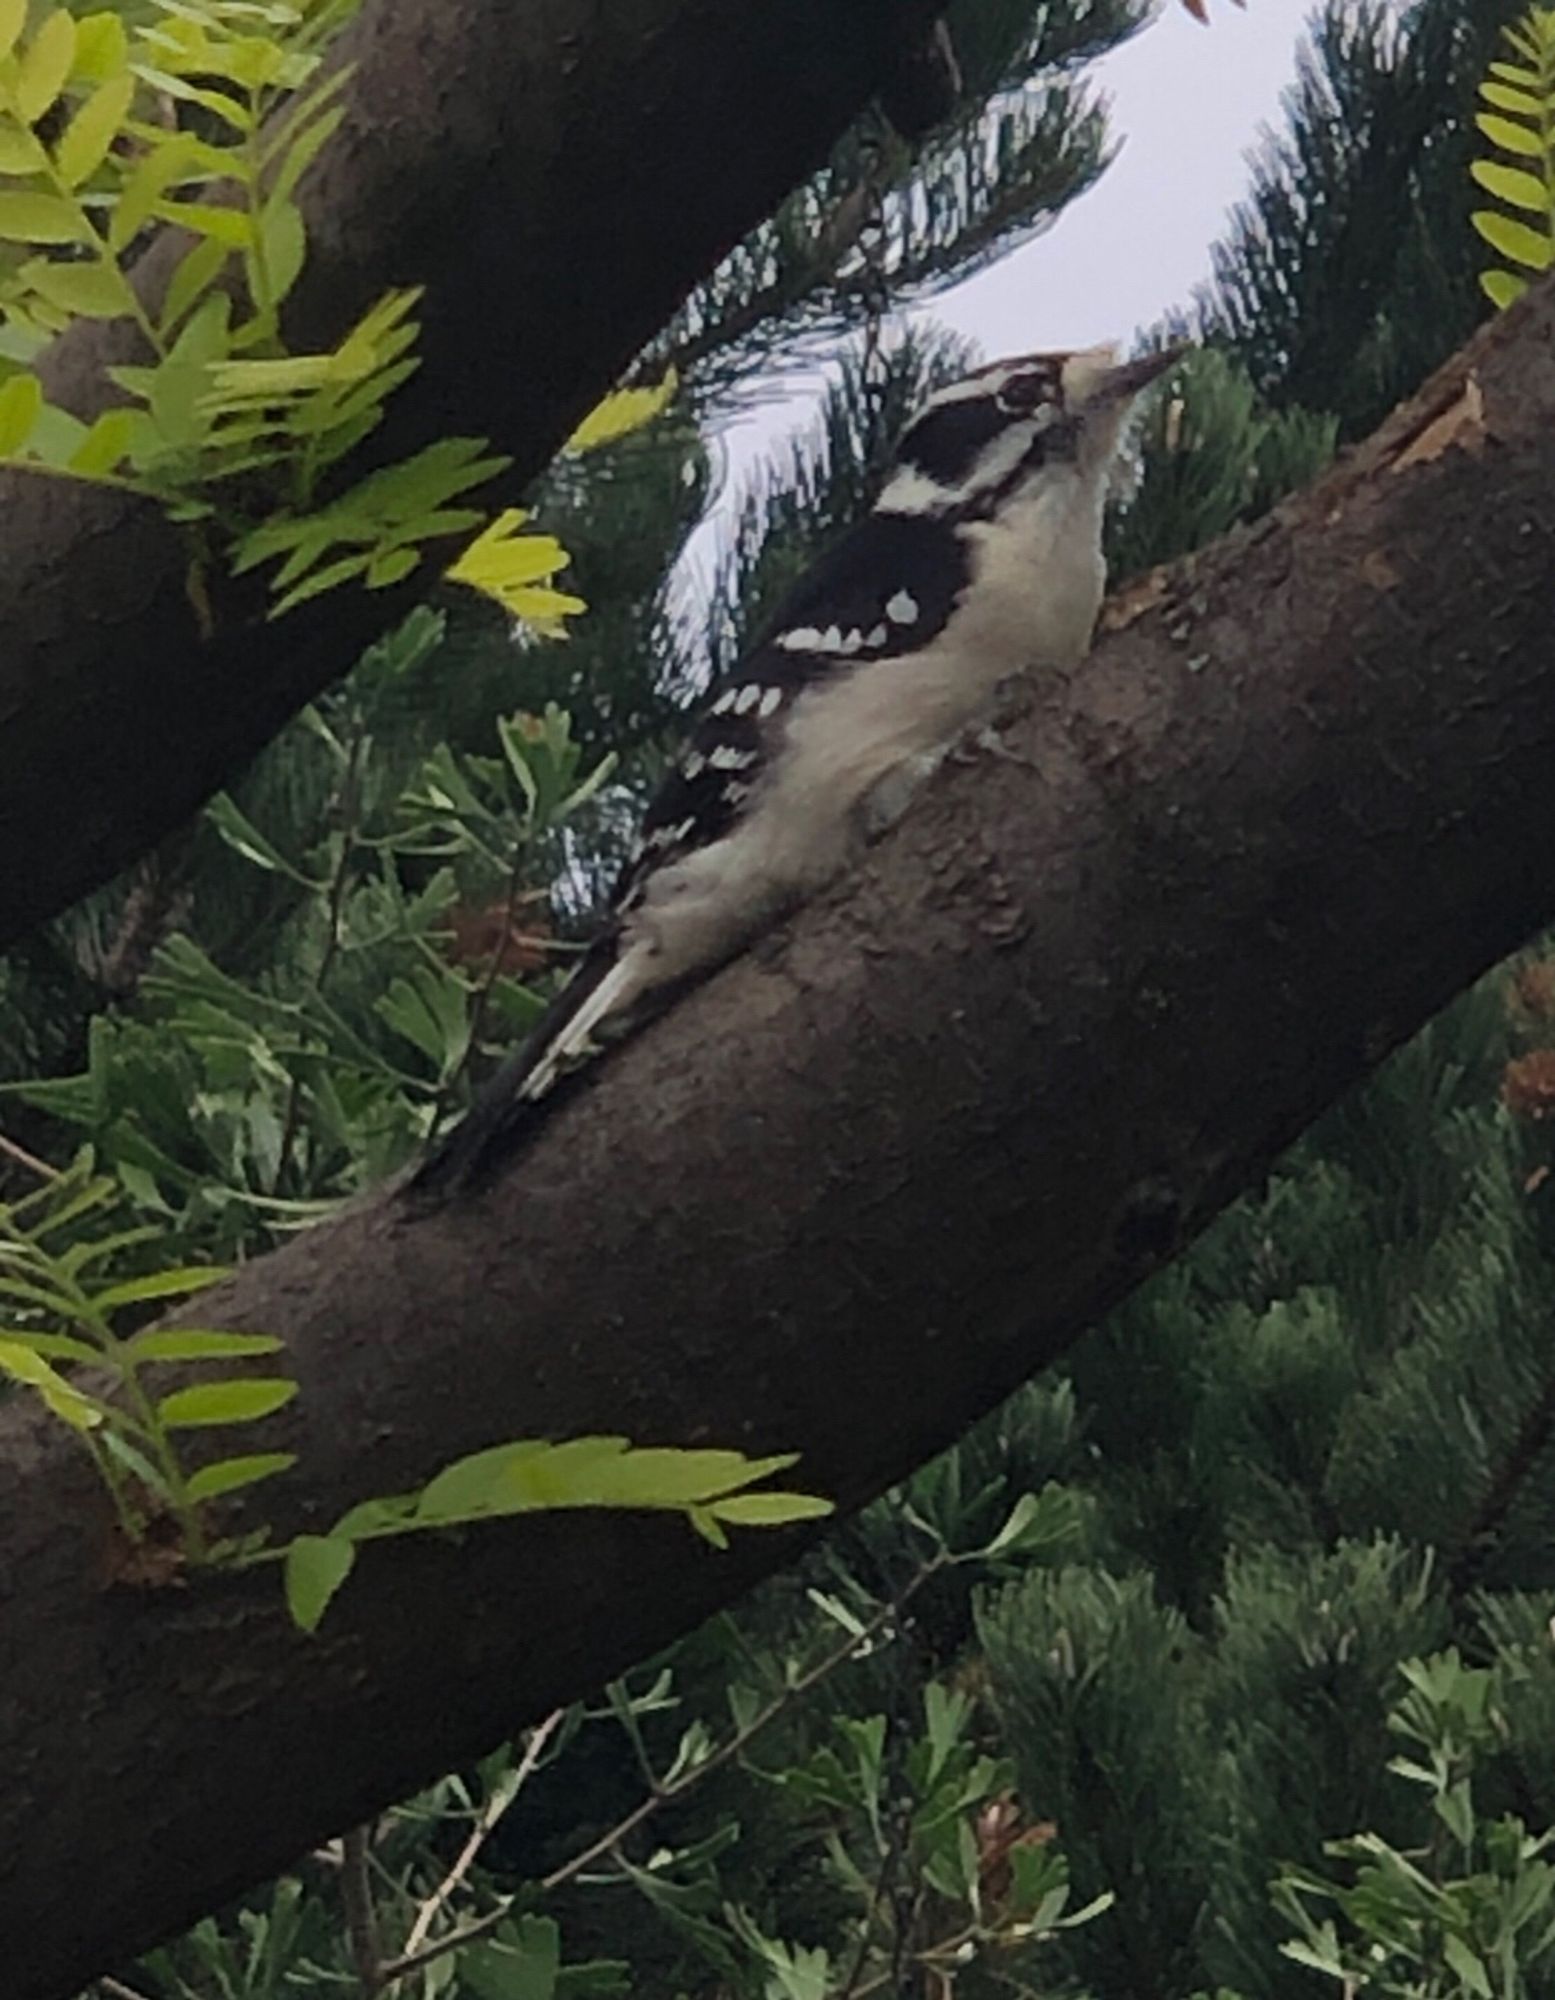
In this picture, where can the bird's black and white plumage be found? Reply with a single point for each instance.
(981, 558)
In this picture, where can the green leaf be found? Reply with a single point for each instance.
(1502, 288)
(195, 275)
(316, 1567)
(1468, 1965)
(241, 834)
(238, 1402)
(20, 152)
(285, 244)
(13, 18)
(106, 443)
(228, 1475)
(173, 1284)
(93, 130)
(162, 165)
(770, 1510)
(45, 67)
(1506, 98)
(56, 1346)
(102, 48)
(1529, 247)
(229, 227)
(175, 1343)
(1509, 137)
(525, 1970)
(21, 400)
(85, 291)
(1529, 79)
(23, 1365)
(300, 152)
(41, 218)
(1513, 185)
(470, 1486)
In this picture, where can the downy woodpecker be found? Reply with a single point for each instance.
(980, 559)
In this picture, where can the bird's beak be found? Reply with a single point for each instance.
(1120, 383)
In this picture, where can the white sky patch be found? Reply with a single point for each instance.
(1187, 105)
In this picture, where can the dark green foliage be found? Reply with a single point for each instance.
(1351, 269)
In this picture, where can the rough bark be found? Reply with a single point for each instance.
(852, 1191)
(558, 174)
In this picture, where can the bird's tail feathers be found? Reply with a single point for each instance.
(564, 1041)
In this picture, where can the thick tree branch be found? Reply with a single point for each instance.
(848, 1194)
(558, 174)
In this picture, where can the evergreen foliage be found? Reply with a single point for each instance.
(1350, 268)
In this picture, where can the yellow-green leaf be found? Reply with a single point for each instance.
(227, 1475)
(1530, 247)
(20, 152)
(238, 1402)
(13, 18)
(1505, 98)
(45, 68)
(227, 226)
(93, 130)
(197, 271)
(1513, 185)
(102, 49)
(316, 1567)
(176, 1343)
(85, 291)
(1530, 79)
(41, 218)
(1509, 137)
(21, 400)
(22, 1365)
(150, 180)
(1502, 288)
(106, 444)
(770, 1510)
(619, 414)
(171, 1284)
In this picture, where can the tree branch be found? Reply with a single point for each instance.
(558, 186)
(849, 1193)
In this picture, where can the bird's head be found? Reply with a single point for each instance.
(978, 443)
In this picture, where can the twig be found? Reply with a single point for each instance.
(348, 803)
(356, 1892)
(661, 1795)
(501, 1798)
(115, 1989)
(28, 1160)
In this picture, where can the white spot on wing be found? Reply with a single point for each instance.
(802, 639)
(725, 701)
(771, 702)
(909, 491)
(728, 757)
(902, 609)
(693, 764)
(747, 698)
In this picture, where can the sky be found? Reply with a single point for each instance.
(1188, 102)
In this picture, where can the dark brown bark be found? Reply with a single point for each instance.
(848, 1194)
(558, 174)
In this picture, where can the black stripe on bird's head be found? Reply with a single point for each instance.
(985, 437)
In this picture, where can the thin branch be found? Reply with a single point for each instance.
(356, 1893)
(28, 1160)
(502, 1797)
(661, 1795)
(115, 1989)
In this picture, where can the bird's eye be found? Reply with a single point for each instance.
(1022, 394)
